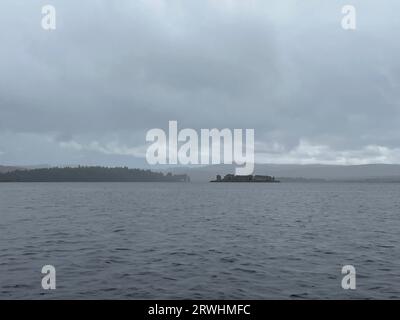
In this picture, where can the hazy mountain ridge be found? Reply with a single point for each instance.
(369, 172)
(4, 169)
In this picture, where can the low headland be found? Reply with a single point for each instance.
(90, 174)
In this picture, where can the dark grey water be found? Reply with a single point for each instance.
(199, 240)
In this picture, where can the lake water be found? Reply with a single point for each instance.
(199, 240)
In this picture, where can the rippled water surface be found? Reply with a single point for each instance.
(199, 240)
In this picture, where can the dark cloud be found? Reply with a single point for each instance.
(112, 70)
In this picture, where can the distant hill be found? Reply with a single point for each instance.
(89, 174)
(296, 172)
(4, 169)
(8, 168)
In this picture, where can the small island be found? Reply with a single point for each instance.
(248, 178)
(90, 174)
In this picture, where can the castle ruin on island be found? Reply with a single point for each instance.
(246, 178)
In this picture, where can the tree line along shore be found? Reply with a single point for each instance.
(90, 174)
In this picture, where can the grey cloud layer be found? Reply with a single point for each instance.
(114, 69)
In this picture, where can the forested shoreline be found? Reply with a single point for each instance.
(90, 174)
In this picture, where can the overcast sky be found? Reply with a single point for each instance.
(87, 92)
